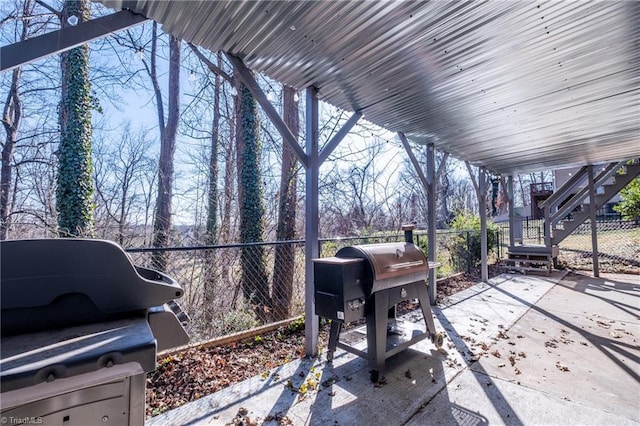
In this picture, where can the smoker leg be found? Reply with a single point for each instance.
(377, 334)
(393, 312)
(334, 336)
(423, 297)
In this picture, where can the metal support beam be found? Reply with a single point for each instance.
(311, 247)
(594, 224)
(442, 165)
(474, 182)
(510, 199)
(414, 161)
(245, 75)
(480, 185)
(333, 143)
(482, 180)
(429, 184)
(431, 220)
(547, 225)
(24, 52)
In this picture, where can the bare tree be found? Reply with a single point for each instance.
(355, 196)
(119, 172)
(11, 117)
(168, 134)
(287, 200)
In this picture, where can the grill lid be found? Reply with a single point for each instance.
(389, 264)
(35, 272)
(52, 283)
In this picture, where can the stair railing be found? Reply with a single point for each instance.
(562, 194)
(577, 199)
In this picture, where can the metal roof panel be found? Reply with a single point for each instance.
(513, 86)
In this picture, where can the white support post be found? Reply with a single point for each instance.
(342, 133)
(482, 182)
(594, 224)
(429, 183)
(512, 221)
(431, 220)
(547, 225)
(311, 220)
(414, 161)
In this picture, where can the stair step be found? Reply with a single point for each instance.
(631, 168)
(614, 183)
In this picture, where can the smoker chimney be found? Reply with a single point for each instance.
(408, 232)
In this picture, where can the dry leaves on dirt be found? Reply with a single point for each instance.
(198, 372)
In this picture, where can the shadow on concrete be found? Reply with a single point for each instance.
(412, 378)
(505, 411)
(606, 345)
(285, 401)
(605, 285)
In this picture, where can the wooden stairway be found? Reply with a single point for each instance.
(562, 221)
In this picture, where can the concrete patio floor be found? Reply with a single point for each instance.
(519, 350)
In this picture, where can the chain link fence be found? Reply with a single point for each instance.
(232, 288)
(618, 244)
(618, 247)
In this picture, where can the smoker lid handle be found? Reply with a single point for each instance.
(405, 265)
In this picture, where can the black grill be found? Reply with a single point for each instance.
(367, 282)
(80, 327)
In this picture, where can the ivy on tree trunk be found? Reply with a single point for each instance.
(74, 190)
(255, 283)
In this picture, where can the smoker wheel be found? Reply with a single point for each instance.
(374, 375)
(330, 356)
(437, 339)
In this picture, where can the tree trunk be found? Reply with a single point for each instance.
(213, 196)
(228, 192)
(74, 191)
(211, 238)
(11, 120)
(284, 262)
(228, 205)
(255, 284)
(162, 220)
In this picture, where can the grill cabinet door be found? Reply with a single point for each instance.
(339, 288)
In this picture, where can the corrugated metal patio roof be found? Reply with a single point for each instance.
(515, 86)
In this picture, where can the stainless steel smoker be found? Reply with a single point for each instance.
(367, 282)
(80, 327)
